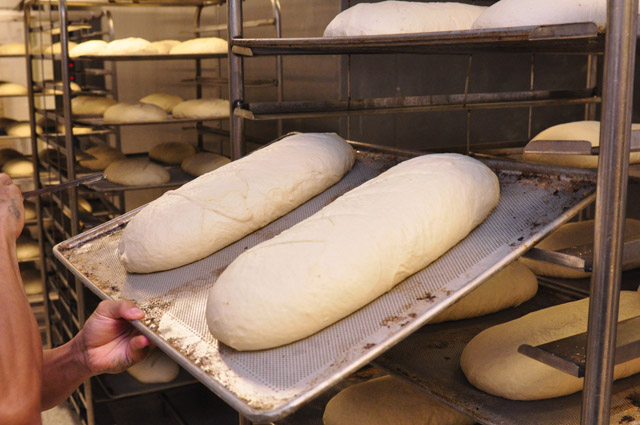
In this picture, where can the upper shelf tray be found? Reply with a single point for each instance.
(99, 121)
(124, 58)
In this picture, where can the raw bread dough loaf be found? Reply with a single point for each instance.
(220, 207)
(164, 46)
(575, 234)
(201, 108)
(134, 112)
(578, 130)
(398, 17)
(136, 172)
(510, 287)
(77, 129)
(12, 89)
(91, 47)
(90, 105)
(104, 155)
(7, 154)
(202, 163)
(172, 153)
(12, 49)
(203, 45)
(518, 13)
(32, 281)
(491, 361)
(163, 100)
(128, 46)
(352, 251)
(21, 129)
(156, 368)
(29, 210)
(27, 248)
(57, 89)
(19, 167)
(389, 401)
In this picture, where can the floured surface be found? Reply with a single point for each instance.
(266, 385)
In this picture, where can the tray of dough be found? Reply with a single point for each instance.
(430, 359)
(270, 384)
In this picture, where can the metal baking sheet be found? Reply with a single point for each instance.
(177, 177)
(268, 385)
(430, 359)
(99, 121)
(123, 58)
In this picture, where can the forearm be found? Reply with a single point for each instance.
(64, 370)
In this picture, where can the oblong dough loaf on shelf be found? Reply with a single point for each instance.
(220, 207)
(400, 17)
(163, 100)
(350, 252)
(27, 248)
(21, 129)
(164, 46)
(203, 45)
(129, 46)
(202, 163)
(13, 49)
(91, 47)
(103, 154)
(136, 172)
(134, 112)
(19, 167)
(12, 89)
(491, 361)
(201, 108)
(172, 153)
(90, 105)
(32, 280)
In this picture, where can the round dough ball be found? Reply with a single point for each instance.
(29, 210)
(129, 46)
(13, 49)
(163, 100)
(389, 401)
(164, 46)
(91, 47)
(90, 105)
(7, 154)
(103, 154)
(201, 108)
(203, 45)
(18, 168)
(134, 112)
(156, 368)
(172, 153)
(202, 163)
(136, 172)
(12, 89)
(32, 281)
(21, 129)
(27, 248)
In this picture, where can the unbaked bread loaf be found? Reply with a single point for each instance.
(128, 46)
(91, 47)
(21, 129)
(398, 17)
(136, 172)
(163, 100)
(57, 89)
(491, 361)
(203, 45)
(134, 112)
(12, 49)
(7, 154)
(32, 280)
(18, 168)
(156, 368)
(578, 130)
(27, 248)
(164, 46)
(76, 130)
(12, 89)
(351, 252)
(202, 163)
(103, 154)
(172, 153)
(389, 401)
(29, 211)
(227, 204)
(90, 105)
(201, 108)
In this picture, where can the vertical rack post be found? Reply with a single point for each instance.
(236, 80)
(613, 168)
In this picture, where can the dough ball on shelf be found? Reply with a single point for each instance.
(136, 172)
(90, 105)
(57, 89)
(91, 47)
(202, 163)
(129, 46)
(5, 121)
(156, 368)
(163, 100)
(134, 112)
(12, 49)
(103, 154)
(32, 280)
(27, 248)
(164, 46)
(18, 168)
(172, 153)
(21, 129)
(12, 89)
(7, 154)
(202, 108)
(77, 130)
(30, 210)
(203, 45)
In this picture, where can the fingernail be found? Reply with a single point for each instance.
(136, 311)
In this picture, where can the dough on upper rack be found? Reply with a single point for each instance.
(19, 167)
(134, 112)
(156, 368)
(202, 163)
(103, 154)
(202, 45)
(571, 235)
(401, 17)
(201, 108)
(351, 252)
(163, 100)
(578, 130)
(172, 153)
(12, 89)
(518, 13)
(136, 172)
(12, 49)
(164, 46)
(129, 46)
(91, 47)
(90, 105)
(21, 129)
(389, 401)
(32, 280)
(491, 361)
(221, 207)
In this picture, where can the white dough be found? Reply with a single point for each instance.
(128, 46)
(156, 368)
(21, 129)
(29, 210)
(399, 17)
(164, 46)
(91, 47)
(163, 100)
(32, 281)
(27, 248)
(518, 13)
(134, 112)
(172, 153)
(18, 168)
(57, 89)
(90, 105)
(13, 49)
(203, 162)
(578, 130)
(349, 253)
(222, 206)
(389, 401)
(136, 172)
(491, 361)
(12, 89)
(7, 154)
(201, 108)
(77, 130)
(203, 45)
(104, 155)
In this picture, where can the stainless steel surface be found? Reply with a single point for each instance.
(124, 58)
(177, 177)
(236, 80)
(94, 178)
(611, 202)
(99, 121)
(267, 385)
(559, 258)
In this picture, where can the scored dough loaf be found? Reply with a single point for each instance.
(201, 108)
(164, 46)
(203, 45)
(349, 253)
(12, 49)
(172, 153)
(389, 401)
(134, 112)
(128, 46)
(91, 47)
(103, 154)
(12, 89)
(18, 168)
(163, 100)
(156, 368)
(90, 105)
(136, 172)
(400, 17)
(202, 163)
(570, 235)
(491, 361)
(578, 130)
(220, 207)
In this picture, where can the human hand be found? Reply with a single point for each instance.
(108, 342)
(11, 208)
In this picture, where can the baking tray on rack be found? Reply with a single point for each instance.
(126, 58)
(94, 121)
(268, 385)
(177, 177)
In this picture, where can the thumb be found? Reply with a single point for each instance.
(139, 347)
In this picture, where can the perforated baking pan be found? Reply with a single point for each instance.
(268, 385)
